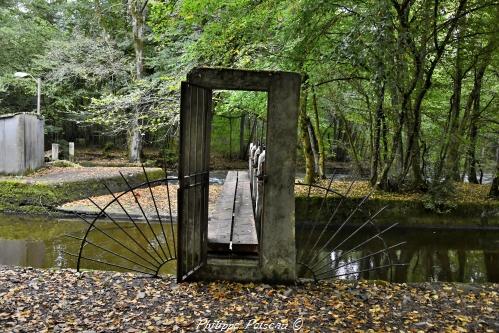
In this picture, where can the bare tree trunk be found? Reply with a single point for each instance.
(320, 140)
(452, 161)
(474, 105)
(473, 128)
(376, 154)
(313, 144)
(242, 145)
(494, 188)
(137, 12)
(305, 139)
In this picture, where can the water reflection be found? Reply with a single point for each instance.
(21, 252)
(461, 256)
(44, 243)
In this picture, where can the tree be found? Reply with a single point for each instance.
(137, 10)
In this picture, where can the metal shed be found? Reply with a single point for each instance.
(21, 143)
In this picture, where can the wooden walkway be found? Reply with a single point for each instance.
(232, 225)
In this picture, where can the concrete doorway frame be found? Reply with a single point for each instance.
(277, 251)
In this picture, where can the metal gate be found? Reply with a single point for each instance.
(195, 128)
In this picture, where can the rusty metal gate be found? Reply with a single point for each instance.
(195, 128)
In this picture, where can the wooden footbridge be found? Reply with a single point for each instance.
(234, 224)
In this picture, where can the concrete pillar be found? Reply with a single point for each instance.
(278, 251)
(72, 151)
(55, 151)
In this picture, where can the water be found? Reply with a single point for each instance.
(44, 243)
(431, 255)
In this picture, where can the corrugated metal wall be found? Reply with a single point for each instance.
(21, 143)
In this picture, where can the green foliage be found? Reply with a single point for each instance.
(25, 29)
(348, 51)
(108, 147)
(169, 157)
(441, 197)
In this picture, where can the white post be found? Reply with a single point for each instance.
(72, 151)
(39, 88)
(55, 151)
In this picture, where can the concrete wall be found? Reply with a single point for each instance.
(21, 143)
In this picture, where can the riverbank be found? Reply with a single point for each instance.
(467, 207)
(42, 192)
(34, 300)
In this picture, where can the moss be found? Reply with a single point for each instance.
(21, 197)
(17, 196)
(64, 164)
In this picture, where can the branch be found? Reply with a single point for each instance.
(144, 7)
(488, 104)
(341, 79)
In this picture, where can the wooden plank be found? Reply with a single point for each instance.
(244, 235)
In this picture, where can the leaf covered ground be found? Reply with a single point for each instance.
(164, 198)
(33, 300)
(462, 193)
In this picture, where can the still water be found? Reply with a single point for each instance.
(430, 255)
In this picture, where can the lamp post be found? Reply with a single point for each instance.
(39, 88)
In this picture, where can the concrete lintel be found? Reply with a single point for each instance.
(235, 79)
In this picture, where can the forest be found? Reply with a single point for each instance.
(404, 91)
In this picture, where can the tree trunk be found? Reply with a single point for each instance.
(473, 128)
(305, 138)
(134, 142)
(137, 11)
(474, 105)
(452, 161)
(377, 135)
(383, 182)
(494, 188)
(242, 145)
(320, 140)
(313, 144)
